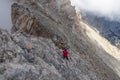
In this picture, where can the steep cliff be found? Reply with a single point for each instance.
(41, 29)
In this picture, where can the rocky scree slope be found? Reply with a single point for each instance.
(34, 51)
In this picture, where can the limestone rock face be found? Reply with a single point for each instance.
(41, 29)
(48, 19)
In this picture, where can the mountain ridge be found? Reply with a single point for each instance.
(41, 29)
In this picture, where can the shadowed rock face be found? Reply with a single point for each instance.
(41, 28)
(38, 20)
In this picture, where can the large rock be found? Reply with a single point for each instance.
(50, 19)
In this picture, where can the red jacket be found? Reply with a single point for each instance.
(65, 53)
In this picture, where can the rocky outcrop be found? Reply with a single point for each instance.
(39, 20)
(41, 28)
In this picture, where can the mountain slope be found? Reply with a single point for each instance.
(106, 27)
(43, 60)
(41, 29)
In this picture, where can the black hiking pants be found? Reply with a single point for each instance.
(65, 57)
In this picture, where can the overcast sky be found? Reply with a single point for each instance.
(107, 8)
(5, 14)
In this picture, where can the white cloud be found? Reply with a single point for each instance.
(108, 8)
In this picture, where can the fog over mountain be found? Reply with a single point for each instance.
(102, 8)
(101, 15)
(5, 14)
